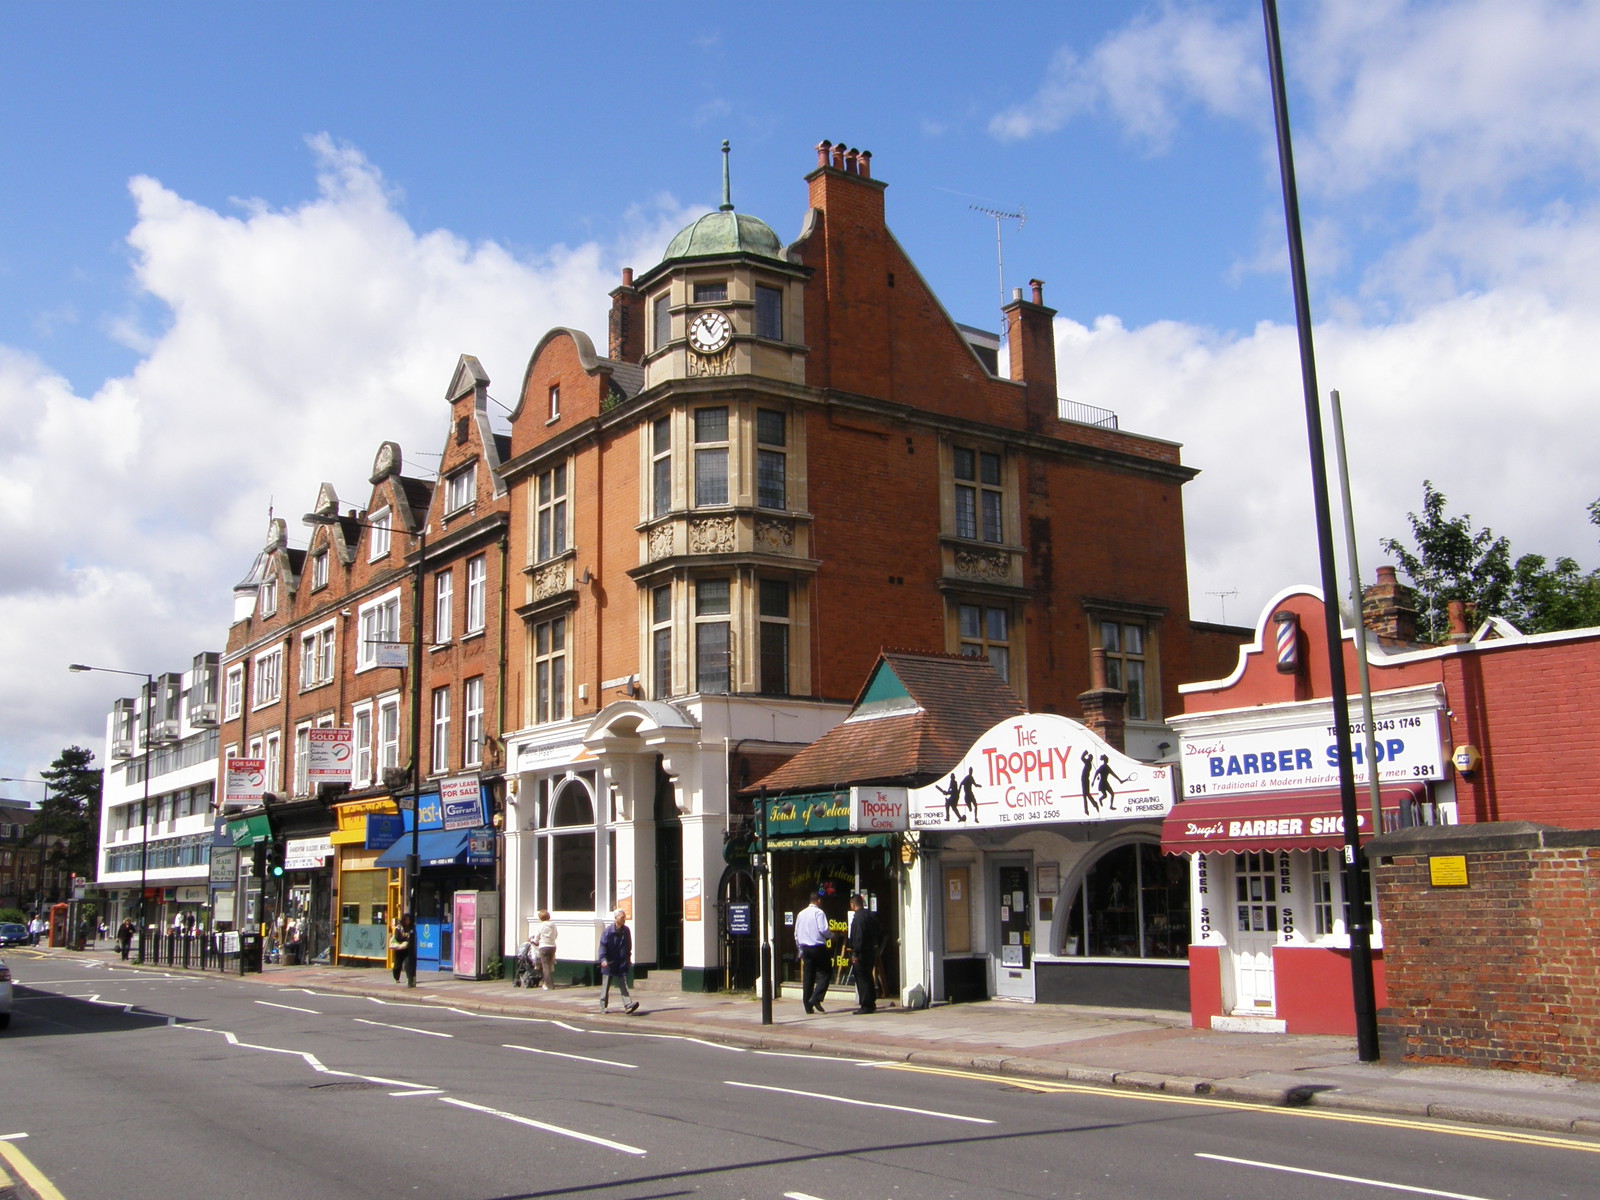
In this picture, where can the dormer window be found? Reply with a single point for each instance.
(661, 321)
(269, 595)
(319, 570)
(710, 293)
(378, 545)
(769, 312)
(555, 402)
(461, 489)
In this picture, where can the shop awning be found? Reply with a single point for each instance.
(1303, 820)
(253, 829)
(435, 848)
(828, 841)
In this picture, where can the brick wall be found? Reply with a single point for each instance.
(1501, 972)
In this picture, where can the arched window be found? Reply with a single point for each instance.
(1132, 902)
(566, 844)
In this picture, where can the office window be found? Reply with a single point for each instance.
(379, 624)
(550, 670)
(361, 734)
(269, 676)
(389, 732)
(477, 592)
(441, 730)
(985, 629)
(268, 596)
(550, 513)
(1124, 644)
(302, 759)
(979, 498)
(461, 489)
(660, 643)
(272, 752)
(769, 312)
(774, 601)
(661, 466)
(234, 692)
(712, 608)
(472, 722)
(316, 657)
(708, 293)
(710, 456)
(661, 321)
(319, 570)
(772, 459)
(378, 536)
(444, 594)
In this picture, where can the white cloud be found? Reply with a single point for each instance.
(293, 342)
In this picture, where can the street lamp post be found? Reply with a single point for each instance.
(144, 804)
(412, 859)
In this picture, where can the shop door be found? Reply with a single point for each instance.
(1255, 932)
(1013, 949)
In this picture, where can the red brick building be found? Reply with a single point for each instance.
(1485, 728)
(789, 459)
(323, 638)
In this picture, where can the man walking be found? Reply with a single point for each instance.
(811, 940)
(616, 956)
(866, 938)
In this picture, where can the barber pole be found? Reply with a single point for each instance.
(1288, 642)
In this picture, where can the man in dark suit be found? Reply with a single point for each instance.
(866, 939)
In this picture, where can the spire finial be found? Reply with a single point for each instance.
(727, 188)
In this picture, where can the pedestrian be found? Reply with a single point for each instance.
(403, 946)
(37, 929)
(616, 956)
(812, 941)
(544, 941)
(866, 939)
(125, 933)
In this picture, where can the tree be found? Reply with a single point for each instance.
(1452, 561)
(70, 815)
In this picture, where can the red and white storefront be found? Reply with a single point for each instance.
(1261, 819)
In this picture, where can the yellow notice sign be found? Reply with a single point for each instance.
(1448, 870)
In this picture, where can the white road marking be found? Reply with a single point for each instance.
(604, 1062)
(1377, 1183)
(291, 1007)
(531, 1123)
(12, 1137)
(305, 1056)
(418, 1092)
(403, 1028)
(800, 1196)
(921, 1112)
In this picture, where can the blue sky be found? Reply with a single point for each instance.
(240, 245)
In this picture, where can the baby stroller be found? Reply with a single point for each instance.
(528, 972)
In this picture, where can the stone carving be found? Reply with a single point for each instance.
(776, 536)
(711, 535)
(660, 542)
(551, 580)
(990, 565)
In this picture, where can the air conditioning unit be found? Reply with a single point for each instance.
(203, 716)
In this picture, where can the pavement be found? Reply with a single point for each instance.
(1141, 1050)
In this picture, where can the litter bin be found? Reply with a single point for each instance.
(249, 952)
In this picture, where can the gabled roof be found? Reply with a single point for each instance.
(915, 718)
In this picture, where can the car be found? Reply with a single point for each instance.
(5, 994)
(13, 933)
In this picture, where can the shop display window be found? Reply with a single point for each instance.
(1132, 903)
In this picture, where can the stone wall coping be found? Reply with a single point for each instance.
(1479, 838)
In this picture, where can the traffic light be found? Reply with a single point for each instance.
(275, 860)
(258, 860)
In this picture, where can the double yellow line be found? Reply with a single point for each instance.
(1514, 1136)
(29, 1174)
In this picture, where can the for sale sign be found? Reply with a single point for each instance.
(246, 779)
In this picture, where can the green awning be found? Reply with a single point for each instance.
(825, 841)
(251, 830)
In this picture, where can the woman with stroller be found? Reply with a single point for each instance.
(543, 939)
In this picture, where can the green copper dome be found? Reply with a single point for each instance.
(726, 231)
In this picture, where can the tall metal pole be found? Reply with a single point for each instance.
(764, 905)
(413, 859)
(1355, 887)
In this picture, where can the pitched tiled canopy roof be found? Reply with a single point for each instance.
(916, 717)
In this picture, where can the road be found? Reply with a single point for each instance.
(121, 1084)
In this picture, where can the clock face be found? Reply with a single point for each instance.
(710, 331)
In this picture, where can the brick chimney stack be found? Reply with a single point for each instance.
(1031, 339)
(1104, 707)
(625, 340)
(1389, 608)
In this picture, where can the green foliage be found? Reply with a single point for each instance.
(13, 916)
(70, 814)
(1452, 561)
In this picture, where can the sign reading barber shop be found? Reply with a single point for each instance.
(1039, 769)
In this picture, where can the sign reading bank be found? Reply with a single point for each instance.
(1039, 769)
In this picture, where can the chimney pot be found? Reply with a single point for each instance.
(1016, 294)
(822, 152)
(851, 158)
(627, 276)
(866, 164)
(1038, 290)
(838, 155)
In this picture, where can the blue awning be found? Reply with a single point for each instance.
(435, 848)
